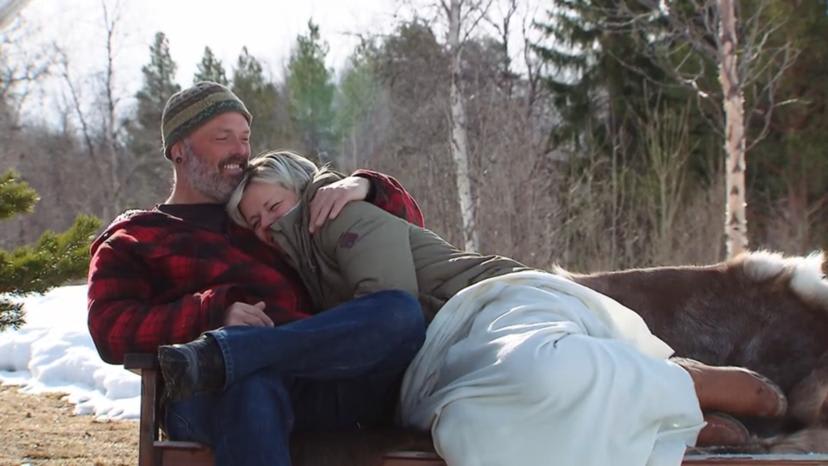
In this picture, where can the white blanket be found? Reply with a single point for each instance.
(533, 369)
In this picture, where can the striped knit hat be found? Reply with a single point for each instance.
(190, 108)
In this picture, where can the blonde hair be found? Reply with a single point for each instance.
(284, 168)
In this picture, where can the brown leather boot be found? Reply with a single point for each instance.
(722, 430)
(734, 390)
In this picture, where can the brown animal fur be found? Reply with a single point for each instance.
(759, 311)
(812, 440)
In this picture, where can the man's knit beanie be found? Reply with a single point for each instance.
(190, 108)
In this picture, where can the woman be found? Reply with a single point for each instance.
(519, 366)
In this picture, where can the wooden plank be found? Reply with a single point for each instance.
(412, 458)
(148, 428)
(183, 453)
(416, 458)
(804, 459)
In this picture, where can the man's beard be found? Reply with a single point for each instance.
(208, 180)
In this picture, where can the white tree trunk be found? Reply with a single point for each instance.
(734, 103)
(9, 9)
(459, 139)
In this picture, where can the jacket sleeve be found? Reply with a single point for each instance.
(389, 195)
(371, 248)
(121, 317)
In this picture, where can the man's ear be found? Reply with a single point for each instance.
(177, 150)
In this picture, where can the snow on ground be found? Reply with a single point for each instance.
(54, 352)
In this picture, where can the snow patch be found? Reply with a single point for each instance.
(53, 352)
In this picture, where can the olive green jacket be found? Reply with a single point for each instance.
(365, 249)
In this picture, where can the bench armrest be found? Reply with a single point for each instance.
(136, 362)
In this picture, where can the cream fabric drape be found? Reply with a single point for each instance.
(531, 369)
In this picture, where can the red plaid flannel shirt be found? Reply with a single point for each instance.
(155, 279)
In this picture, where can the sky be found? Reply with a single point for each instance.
(53, 352)
(267, 27)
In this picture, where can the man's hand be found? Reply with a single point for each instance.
(245, 314)
(329, 200)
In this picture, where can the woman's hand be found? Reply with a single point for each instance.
(329, 200)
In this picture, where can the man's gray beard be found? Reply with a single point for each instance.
(206, 179)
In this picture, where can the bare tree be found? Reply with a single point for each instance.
(101, 142)
(111, 19)
(734, 107)
(21, 67)
(463, 17)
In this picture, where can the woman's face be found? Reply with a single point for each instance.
(262, 204)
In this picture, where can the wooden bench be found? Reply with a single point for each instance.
(155, 451)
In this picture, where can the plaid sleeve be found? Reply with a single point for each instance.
(392, 197)
(121, 318)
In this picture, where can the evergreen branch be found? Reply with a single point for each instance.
(16, 196)
(11, 315)
(53, 260)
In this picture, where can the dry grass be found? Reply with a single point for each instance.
(41, 430)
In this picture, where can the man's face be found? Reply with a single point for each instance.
(215, 156)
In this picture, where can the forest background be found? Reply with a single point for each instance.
(598, 145)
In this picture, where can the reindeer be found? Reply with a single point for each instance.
(760, 310)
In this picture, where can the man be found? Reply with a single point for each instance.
(166, 275)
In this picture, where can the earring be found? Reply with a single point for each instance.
(178, 160)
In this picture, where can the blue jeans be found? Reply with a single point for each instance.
(338, 370)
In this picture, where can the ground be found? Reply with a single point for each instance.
(41, 430)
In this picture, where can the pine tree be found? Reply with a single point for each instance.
(311, 92)
(150, 180)
(210, 69)
(261, 99)
(159, 84)
(599, 72)
(50, 262)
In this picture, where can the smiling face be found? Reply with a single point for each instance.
(215, 155)
(263, 204)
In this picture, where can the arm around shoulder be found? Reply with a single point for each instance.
(389, 195)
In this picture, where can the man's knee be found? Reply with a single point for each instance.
(402, 314)
(399, 323)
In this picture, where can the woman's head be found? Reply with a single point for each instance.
(272, 185)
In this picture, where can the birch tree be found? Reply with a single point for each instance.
(734, 107)
(9, 10)
(700, 31)
(463, 16)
